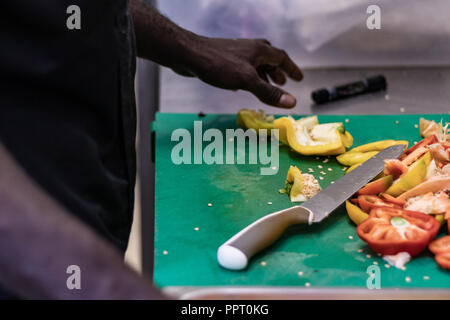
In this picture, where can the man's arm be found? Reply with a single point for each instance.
(225, 63)
(39, 240)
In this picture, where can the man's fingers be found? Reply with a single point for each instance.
(270, 94)
(262, 74)
(277, 75)
(279, 58)
(291, 68)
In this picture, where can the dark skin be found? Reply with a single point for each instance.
(39, 239)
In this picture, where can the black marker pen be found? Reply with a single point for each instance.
(366, 85)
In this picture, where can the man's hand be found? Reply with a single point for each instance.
(225, 63)
(244, 64)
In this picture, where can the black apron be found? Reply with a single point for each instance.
(67, 106)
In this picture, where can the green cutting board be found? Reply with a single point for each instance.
(188, 231)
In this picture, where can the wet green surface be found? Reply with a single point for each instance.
(326, 255)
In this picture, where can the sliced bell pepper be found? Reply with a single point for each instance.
(368, 202)
(391, 199)
(440, 245)
(346, 137)
(307, 137)
(251, 119)
(355, 213)
(415, 175)
(413, 156)
(424, 142)
(353, 158)
(389, 231)
(356, 156)
(378, 145)
(376, 187)
(443, 259)
(293, 181)
(441, 249)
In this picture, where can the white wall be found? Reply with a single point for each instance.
(413, 32)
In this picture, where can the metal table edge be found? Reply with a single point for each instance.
(294, 293)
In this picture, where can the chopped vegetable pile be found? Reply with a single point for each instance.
(356, 156)
(402, 210)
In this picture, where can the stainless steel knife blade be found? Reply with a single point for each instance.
(326, 201)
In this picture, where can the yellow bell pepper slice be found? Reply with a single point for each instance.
(295, 177)
(251, 119)
(300, 187)
(378, 145)
(356, 156)
(293, 184)
(365, 152)
(353, 158)
(415, 175)
(355, 213)
(307, 137)
(347, 139)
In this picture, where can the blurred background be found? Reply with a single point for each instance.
(329, 40)
(327, 33)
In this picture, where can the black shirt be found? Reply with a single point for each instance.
(67, 105)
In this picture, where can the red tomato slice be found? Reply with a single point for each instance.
(443, 259)
(441, 245)
(424, 142)
(376, 187)
(389, 231)
(368, 202)
(393, 200)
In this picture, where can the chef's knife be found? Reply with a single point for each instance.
(237, 251)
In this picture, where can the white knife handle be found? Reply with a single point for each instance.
(236, 252)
